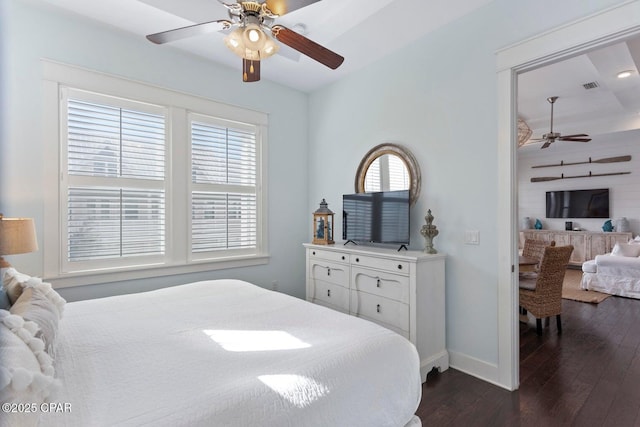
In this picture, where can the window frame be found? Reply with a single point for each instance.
(178, 107)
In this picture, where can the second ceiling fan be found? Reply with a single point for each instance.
(552, 136)
(253, 21)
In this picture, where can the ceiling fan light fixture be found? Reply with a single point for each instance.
(253, 37)
(250, 42)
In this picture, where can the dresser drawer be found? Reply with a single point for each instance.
(400, 267)
(329, 294)
(382, 283)
(328, 255)
(328, 271)
(380, 310)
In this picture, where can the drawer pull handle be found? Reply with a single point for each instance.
(378, 308)
(328, 271)
(378, 283)
(357, 259)
(314, 252)
(328, 292)
(343, 257)
(399, 266)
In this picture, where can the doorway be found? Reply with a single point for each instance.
(611, 26)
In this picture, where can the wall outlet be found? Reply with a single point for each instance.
(274, 285)
(472, 237)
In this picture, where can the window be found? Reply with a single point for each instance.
(223, 198)
(152, 181)
(115, 193)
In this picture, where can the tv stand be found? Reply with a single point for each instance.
(586, 244)
(402, 247)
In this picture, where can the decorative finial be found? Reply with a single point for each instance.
(429, 231)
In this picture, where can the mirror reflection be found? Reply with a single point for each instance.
(387, 173)
(389, 167)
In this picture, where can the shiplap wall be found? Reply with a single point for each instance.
(624, 190)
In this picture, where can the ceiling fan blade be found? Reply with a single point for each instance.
(572, 136)
(564, 138)
(546, 144)
(250, 70)
(308, 47)
(189, 31)
(280, 7)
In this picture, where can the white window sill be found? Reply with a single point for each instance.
(149, 271)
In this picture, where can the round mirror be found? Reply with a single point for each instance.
(389, 167)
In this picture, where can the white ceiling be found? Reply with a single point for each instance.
(355, 29)
(613, 106)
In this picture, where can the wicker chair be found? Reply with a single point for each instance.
(542, 296)
(534, 249)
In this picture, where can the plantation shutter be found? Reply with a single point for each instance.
(387, 173)
(224, 197)
(115, 158)
(398, 174)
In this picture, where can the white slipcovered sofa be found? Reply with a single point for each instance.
(615, 273)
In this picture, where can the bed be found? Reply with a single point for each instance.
(225, 353)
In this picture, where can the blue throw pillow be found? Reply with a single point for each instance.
(5, 304)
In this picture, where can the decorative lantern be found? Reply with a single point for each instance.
(323, 225)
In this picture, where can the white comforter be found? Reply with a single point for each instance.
(228, 353)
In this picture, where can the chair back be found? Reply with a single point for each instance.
(552, 269)
(535, 248)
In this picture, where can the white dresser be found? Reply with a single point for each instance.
(402, 291)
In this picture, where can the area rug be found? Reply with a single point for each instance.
(571, 289)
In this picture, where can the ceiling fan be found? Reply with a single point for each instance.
(552, 136)
(250, 40)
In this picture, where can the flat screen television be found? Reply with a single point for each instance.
(377, 217)
(578, 203)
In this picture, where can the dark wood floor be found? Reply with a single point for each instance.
(588, 376)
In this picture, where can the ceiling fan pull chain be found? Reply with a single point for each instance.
(552, 117)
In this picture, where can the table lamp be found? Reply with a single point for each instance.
(17, 236)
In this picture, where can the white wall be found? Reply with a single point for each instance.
(624, 189)
(30, 31)
(438, 97)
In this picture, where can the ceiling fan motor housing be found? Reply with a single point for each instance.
(251, 6)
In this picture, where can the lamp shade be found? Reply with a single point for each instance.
(17, 236)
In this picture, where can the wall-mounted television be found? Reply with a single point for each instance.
(578, 203)
(377, 217)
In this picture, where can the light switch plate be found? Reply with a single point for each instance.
(472, 237)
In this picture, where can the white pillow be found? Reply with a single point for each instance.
(13, 283)
(626, 250)
(26, 370)
(34, 305)
(635, 241)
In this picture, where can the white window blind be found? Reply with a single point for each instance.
(115, 198)
(398, 174)
(224, 200)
